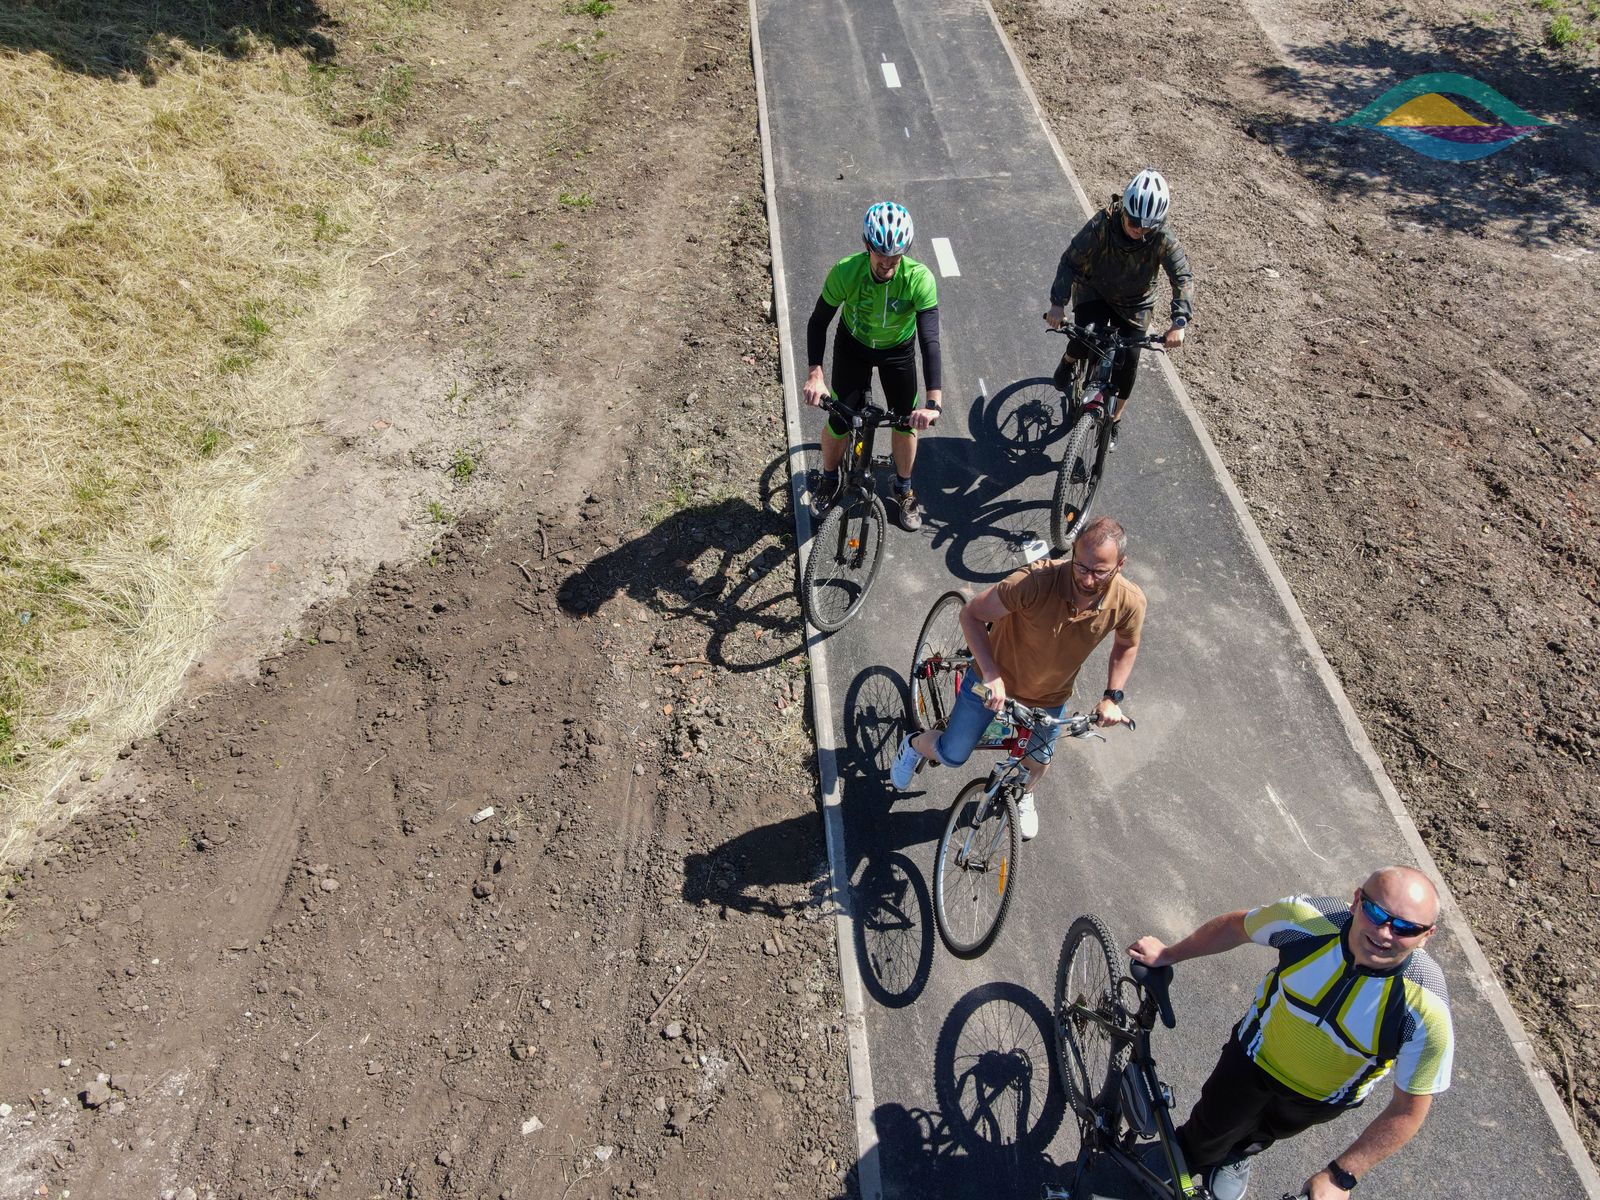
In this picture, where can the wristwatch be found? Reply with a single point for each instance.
(1179, 322)
(1341, 1178)
(1114, 695)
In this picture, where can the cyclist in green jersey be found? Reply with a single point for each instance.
(1353, 996)
(886, 299)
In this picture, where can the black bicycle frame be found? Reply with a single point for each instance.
(1104, 1135)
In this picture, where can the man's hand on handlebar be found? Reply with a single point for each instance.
(1173, 338)
(1149, 950)
(815, 391)
(1054, 316)
(994, 694)
(1108, 713)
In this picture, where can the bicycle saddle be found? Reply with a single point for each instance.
(1156, 981)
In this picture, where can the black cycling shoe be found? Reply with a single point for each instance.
(1112, 444)
(823, 493)
(1065, 369)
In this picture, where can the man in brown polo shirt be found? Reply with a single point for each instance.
(1029, 634)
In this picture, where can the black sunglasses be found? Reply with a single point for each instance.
(1380, 917)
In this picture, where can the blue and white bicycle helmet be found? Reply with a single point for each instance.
(887, 228)
(1147, 199)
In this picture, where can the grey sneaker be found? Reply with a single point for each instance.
(908, 509)
(1027, 817)
(905, 764)
(1229, 1181)
(824, 492)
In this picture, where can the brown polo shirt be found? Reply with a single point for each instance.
(1042, 642)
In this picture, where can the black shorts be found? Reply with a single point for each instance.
(1126, 367)
(897, 375)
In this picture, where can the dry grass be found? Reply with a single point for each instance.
(180, 214)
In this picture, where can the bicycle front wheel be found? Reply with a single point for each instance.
(933, 678)
(845, 556)
(975, 873)
(1086, 982)
(1076, 481)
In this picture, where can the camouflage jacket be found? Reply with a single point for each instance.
(1102, 262)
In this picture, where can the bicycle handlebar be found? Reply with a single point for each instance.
(1076, 725)
(1110, 341)
(1157, 981)
(855, 417)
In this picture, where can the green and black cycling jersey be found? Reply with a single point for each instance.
(880, 316)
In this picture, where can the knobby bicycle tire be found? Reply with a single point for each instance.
(845, 556)
(933, 698)
(1077, 480)
(971, 896)
(1089, 1060)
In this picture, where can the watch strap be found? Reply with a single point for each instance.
(1340, 1176)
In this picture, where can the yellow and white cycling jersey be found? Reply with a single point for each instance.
(1330, 1028)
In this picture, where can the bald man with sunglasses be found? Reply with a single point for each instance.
(1353, 996)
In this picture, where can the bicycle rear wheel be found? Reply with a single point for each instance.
(975, 873)
(845, 556)
(1076, 481)
(1087, 978)
(933, 680)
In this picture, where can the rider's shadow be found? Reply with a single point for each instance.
(999, 1103)
(1013, 436)
(728, 566)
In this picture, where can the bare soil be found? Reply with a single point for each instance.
(280, 956)
(303, 967)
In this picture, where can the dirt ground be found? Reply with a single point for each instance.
(280, 956)
(303, 968)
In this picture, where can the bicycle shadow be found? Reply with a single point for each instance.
(1023, 420)
(892, 920)
(999, 1103)
(114, 41)
(728, 566)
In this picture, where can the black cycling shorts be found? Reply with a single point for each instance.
(1097, 312)
(897, 375)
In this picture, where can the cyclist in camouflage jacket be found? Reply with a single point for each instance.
(1108, 274)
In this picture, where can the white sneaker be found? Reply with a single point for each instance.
(1027, 817)
(905, 764)
(1228, 1182)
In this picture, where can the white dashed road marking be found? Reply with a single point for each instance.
(945, 256)
(890, 75)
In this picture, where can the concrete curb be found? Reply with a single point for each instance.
(863, 1100)
(1483, 977)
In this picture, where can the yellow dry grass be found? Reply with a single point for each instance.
(173, 267)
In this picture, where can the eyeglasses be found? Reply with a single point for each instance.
(1088, 572)
(1380, 917)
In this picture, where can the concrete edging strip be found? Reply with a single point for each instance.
(1483, 977)
(863, 1100)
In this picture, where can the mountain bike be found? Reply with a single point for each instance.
(1090, 403)
(847, 549)
(975, 867)
(1103, 1021)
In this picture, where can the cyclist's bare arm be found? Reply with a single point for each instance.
(1216, 936)
(986, 606)
(1391, 1129)
(1118, 672)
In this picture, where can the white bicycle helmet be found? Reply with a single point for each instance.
(887, 227)
(1147, 199)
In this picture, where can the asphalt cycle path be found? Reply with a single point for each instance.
(1248, 777)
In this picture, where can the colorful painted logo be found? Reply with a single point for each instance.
(1420, 115)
